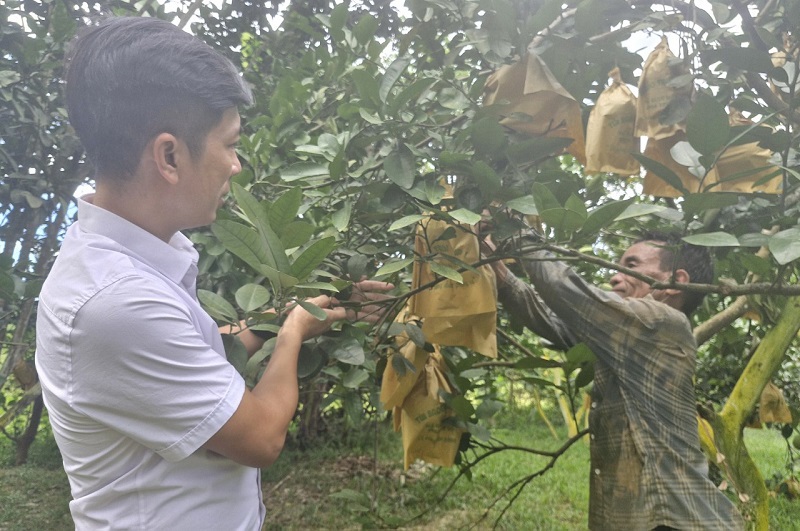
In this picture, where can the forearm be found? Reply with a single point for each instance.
(278, 387)
(522, 301)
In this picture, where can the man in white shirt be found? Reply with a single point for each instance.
(156, 429)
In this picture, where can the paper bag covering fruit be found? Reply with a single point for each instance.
(609, 133)
(422, 414)
(772, 406)
(398, 377)
(659, 150)
(538, 104)
(746, 168)
(656, 93)
(454, 313)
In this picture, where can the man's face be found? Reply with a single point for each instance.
(210, 172)
(645, 258)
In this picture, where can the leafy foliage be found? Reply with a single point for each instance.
(369, 117)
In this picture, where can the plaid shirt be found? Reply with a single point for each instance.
(648, 468)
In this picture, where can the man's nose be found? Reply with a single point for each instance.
(615, 279)
(237, 165)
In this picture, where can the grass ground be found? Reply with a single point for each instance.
(339, 485)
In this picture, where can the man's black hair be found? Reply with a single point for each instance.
(129, 79)
(677, 254)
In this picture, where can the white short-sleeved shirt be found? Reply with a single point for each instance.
(135, 380)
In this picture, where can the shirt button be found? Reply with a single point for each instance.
(594, 405)
(596, 471)
(591, 436)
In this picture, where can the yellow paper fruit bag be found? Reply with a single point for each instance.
(609, 133)
(538, 104)
(425, 436)
(659, 150)
(656, 93)
(746, 168)
(396, 384)
(454, 313)
(772, 406)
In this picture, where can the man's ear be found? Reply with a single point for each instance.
(164, 149)
(681, 277)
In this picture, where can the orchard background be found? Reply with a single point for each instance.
(363, 111)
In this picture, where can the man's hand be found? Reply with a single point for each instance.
(363, 304)
(358, 305)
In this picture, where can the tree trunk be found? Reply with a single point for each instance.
(729, 424)
(24, 443)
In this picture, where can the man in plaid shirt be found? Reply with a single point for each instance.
(648, 470)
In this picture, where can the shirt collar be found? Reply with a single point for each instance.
(173, 259)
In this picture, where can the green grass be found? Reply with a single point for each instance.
(339, 485)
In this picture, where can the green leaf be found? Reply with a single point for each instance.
(338, 20)
(8, 77)
(447, 272)
(487, 179)
(754, 239)
(367, 87)
(661, 171)
(365, 28)
(580, 353)
(341, 218)
(62, 24)
(785, 245)
(707, 128)
(545, 15)
(251, 297)
(285, 208)
(369, 117)
(562, 219)
(465, 216)
(402, 366)
(304, 170)
(755, 264)
(712, 239)
(536, 149)
(462, 407)
(585, 376)
(410, 94)
(488, 408)
(524, 205)
(488, 137)
(296, 233)
(393, 73)
(638, 210)
(415, 334)
(544, 198)
(235, 352)
(747, 59)
(393, 267)
(326, 286)
(479, 432)
(244, 242)
(400, 166)
(310, 362)
(313, 309)
(405, 221)
(694, 203)
(312, 257)
(348, 350)
(602, 216)
(353, 378)
(217, 307)
(260, 219)
(576, 204)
